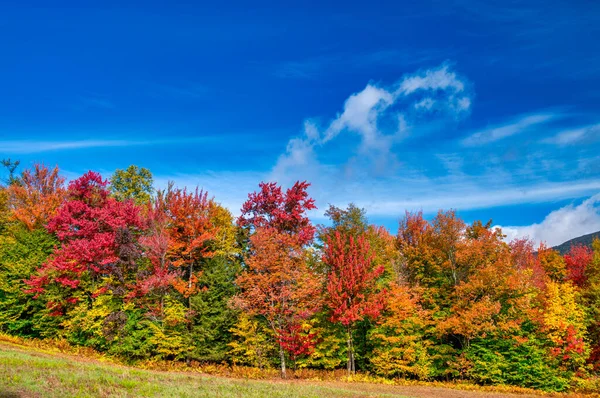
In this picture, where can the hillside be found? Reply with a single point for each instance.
(585, 240)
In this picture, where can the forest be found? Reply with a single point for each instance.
(144, 274)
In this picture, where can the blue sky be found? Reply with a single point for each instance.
(490, 108)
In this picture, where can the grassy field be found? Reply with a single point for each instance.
(28, 373)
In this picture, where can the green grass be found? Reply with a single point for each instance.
(24, 373)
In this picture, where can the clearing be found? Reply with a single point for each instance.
(28, 373)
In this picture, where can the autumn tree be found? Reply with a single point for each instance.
(401, 347)
(591, 300)
(577, 261)
(189, 230)
(34, 200)
(278, 286)
(97, 236)
(552, 263)
(352, 293)
(286, 212)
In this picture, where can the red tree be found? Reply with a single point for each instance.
(352, 284)
(96, 238)
(576, 262)
(160, 278)
(270, 207)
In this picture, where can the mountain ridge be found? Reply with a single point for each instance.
(585, 240)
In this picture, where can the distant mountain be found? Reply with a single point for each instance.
(585, 240)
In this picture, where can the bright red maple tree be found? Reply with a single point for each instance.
(576, 262)
(352, 293)
(286, 212)
(94, 231)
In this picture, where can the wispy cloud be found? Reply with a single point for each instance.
(563, 224)
(33, 146)
(441, 78)
(25, 146)
(381, 116)
(576, 136)
(499, 132)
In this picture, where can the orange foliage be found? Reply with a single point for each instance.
(36, 197)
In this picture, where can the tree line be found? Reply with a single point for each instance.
(172, 275)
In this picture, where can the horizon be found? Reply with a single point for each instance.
(490, 110)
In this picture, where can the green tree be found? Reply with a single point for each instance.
(21, 253)
(214, 317)
(11, 166)
(132, 183)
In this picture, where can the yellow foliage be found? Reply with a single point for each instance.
(251, 345)
(400, 349)
(168, 336)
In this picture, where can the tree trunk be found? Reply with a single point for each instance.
(190, 285)
(190, 325)
(351, 365)
(282, 357)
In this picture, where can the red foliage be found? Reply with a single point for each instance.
(576, 261)
(270, 207)
(156, 245)
(88, 225)
(352, 279)
(295, 342)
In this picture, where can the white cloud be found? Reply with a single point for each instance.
(361, 111)
(369, 173)
(425, 103)
(380, 116)
(575, 136)
(561, 225)
(440, 78)
(462, 193)
(496, 133)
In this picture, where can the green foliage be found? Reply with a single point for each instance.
(517, 361)
(11, 166)
(213, 316)
(130, 335)
(84, 325)
(21, 254)
(170, 335)
(132, 183)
